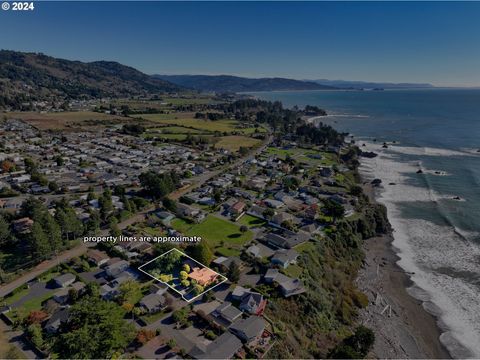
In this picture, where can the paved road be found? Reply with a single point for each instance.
(66, 255)
(202, 179)
(82, 248)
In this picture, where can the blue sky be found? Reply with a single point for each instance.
(436, 42)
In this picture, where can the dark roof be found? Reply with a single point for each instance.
(58, 317)
(251, 300)
(152, 301)
(252, 326)
(223, 347)
(285, 256)
(228, 311)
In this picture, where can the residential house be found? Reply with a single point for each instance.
(53, 324)
(287, 285)
(116, 267)
(237, 209)
(165, 217)
(274, 204)
(223, 347)
(284, 257)
(23, 225)
(64, 280)
(203, 276)
(97, 257)
(253, 303)
(227, 313)
(225, 262)
(153, 303)
(248, 329)
(254, 250)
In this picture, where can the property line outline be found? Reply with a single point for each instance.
(170, 287)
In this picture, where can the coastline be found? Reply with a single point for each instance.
(403, 328)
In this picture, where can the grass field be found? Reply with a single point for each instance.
(301, 155)
(173, 130)
(251, 221)
(293, 271)
(234, 142)
(65, 120)
(217, 232)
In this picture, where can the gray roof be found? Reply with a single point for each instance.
(65, 278)
(57, 318)
(251, 300)
(152, 301)
(223, 347)
(252, 326)
(285, 256)
(228, 311)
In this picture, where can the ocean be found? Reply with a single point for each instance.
(435, 214)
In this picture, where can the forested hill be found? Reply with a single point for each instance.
(32, 77)
(228, 83)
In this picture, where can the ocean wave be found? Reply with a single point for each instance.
(419, 151)
(424, 248)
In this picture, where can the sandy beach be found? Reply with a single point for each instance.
(403, 329)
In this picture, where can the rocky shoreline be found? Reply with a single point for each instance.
(403, 328)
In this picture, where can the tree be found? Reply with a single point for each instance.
(362, 340)
(183, 275)
(130, 292)
(198, 289)
(233, 271)
(170, 204)
(159, 185)
(34, 332)
(355, 346)
(180, 315)
(202, 253)
(4, 231)
(185, 283)
(95, 329)
(243, 228)
(59, 160)
(268, 213)
(114, 229)
(186, 268)
(7, 166)
(53, 186)
(333, 209)
(144, 336)
(105, 203)
(36, 317)
(38, 241)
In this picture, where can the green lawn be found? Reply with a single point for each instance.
(217, 232)
(293, 271)
(36, 303)
(251, 221)
(306, 246)
(224, 251)
(16, 296)
(151, 318)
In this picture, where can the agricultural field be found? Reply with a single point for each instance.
(234, 142)
(66, 120)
